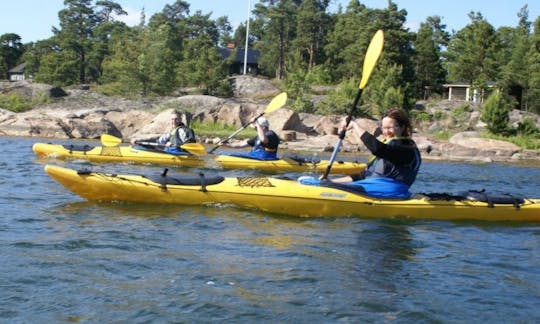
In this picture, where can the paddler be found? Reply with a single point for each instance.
(174, 137)
(264, 144)
(395, 160)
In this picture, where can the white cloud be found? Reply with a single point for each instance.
(133, 17)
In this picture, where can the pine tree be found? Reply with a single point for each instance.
(532, 97)
(495, 113)
(276, 31)
(11, 49)
(472, 53)
(429, 71)
(77, 22)
(311, 29)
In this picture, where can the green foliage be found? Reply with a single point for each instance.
(421, 116)
(532, 95)
(430, 73)
(442, 135)
(303, 104)
(527, 142)
(461, 112)
(495, 114)
(14, 102)
(220, 130)
(59, 68)
(392, 98)
(202, 66)
(384, 90)
(17, 103)
(528, 128)
(11, 50)
(472, 52)
(223, 89)
(297, 86)
(339, 100)
(276, 31)
(438, 115)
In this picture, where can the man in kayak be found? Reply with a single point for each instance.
(395, 159)
(179, 133)
(265, 144)
(175, 137)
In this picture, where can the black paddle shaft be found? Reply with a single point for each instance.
(342, 135)
(351, 112)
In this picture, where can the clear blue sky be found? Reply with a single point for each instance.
(33, 19)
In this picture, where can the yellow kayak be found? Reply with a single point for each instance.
(288, 197)
(132, 154)
(289, 164)
(116, 153)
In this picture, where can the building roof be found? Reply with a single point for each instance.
(18, 69)
(466, 84)
(252, 55)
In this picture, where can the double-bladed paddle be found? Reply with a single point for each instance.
(276, 103)
(194, 148)
(372, 55)
(109, 140)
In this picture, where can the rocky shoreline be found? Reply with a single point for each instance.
(84, 114)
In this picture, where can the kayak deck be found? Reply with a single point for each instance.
(281, 196)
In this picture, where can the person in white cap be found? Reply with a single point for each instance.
(264, 145)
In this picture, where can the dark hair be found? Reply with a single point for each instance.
(178, 114)
(400, 116)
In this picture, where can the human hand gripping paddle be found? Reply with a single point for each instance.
(194, 148)
(372, 55)
(276, 103)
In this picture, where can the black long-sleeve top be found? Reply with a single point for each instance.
(398, 158)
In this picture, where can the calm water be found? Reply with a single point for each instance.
(67, 260)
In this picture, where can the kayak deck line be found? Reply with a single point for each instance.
(288, 197)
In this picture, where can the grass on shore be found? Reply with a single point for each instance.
(525, 142)
(220, 130)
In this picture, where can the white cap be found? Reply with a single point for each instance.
(263, 122)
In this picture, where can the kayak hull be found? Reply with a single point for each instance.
(129, 154)
(283, 196)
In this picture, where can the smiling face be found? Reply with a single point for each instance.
(391, 128)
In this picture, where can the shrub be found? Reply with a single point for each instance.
(528, 128)
(495, 114)
(15, 102)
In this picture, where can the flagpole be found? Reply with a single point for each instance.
(247, 37)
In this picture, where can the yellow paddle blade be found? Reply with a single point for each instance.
(109, 140)
(276, 103)
(372, 55)
(193, 148)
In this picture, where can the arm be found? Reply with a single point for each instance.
(236, 144)
(261, 133)
(397, 154)
(163, 139)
